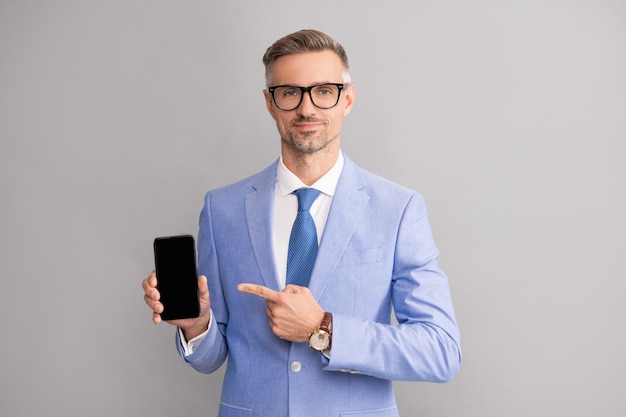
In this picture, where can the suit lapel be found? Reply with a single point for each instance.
(259, 206)
(348, 205)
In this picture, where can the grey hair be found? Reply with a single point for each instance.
(307, 40)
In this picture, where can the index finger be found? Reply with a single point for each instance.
(149, 284)
(258, 290)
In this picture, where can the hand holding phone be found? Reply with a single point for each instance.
(177, 276)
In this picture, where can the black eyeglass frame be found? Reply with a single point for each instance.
(340, 86)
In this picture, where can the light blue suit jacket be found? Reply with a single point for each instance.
(376, 256)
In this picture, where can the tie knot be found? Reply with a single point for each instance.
(306, 197)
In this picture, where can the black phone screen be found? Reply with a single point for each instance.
(177, 277)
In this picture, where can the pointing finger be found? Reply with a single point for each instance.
(259, 291)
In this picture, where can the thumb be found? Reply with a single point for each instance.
(203, 286)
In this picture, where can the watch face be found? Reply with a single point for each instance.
(319, 340)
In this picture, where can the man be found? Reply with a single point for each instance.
(325, 347)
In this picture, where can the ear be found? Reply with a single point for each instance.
(349, 97)
(269, 103)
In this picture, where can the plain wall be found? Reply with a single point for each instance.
(508, 116)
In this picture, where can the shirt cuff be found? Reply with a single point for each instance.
(190, 346)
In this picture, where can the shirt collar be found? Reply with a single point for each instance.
(288, 182)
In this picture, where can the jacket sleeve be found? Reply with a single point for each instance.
(212, 352)
(425, 344)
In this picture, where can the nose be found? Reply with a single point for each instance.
(306, 106)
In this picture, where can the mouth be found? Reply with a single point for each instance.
(307, 124)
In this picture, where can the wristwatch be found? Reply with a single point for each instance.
(320, 339)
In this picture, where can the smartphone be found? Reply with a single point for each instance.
(177, 276)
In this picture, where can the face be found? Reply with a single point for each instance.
(309, 129)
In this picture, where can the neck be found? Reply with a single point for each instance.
(310, 167)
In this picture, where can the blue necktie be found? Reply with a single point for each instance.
(303, 240)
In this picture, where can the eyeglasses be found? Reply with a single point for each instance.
(323, 96)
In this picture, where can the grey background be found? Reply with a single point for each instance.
(509, 117)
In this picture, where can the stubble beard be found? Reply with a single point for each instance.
(308, 142)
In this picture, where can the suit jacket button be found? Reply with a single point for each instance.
(296, 366)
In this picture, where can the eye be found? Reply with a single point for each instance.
(289, 92)
(326, 90)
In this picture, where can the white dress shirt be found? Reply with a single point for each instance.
(285, 211)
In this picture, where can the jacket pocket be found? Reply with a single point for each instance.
(358, 257)
(379, 412)
(231, 410)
